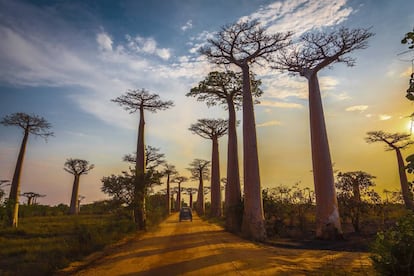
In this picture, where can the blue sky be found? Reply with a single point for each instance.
(65, 60)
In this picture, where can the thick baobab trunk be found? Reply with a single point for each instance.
(253, 218)
(140, 189)
(215, 180)
(168, 195)
(406, 193)
(200, 197)
(13, 203)
(191, 200)
(232, 192)
(74, 202)
(328, 225)
(172, 207)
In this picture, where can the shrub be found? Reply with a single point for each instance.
(393, 250)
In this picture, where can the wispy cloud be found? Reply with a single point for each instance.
(283, 16)
(141, 44)
(280, 104)
(384, 117)
(104, 41)
(269, 123)
(360, 108)
(188, 25)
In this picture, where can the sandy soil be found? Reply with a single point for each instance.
(200, 248)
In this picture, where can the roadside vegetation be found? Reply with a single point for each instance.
(48, 239)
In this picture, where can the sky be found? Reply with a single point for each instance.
(66, 60)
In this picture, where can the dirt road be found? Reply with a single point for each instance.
(200, 248)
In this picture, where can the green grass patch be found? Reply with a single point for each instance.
(42, 245)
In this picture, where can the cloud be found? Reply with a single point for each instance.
(104, 41)
(384, 117)
(139, 44)
(188, 25)
(360, 108)
(269, 123)
(283, 16)
(280, 104)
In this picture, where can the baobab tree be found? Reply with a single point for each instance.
(77, 167)
(226, 89)
(169, 171)
(396, 142)
(244, 44)
(30, 124)
(199, 170)
(315, 51)
(139, 101)
(213, 129)
(190, 191)
(179, 180)
(31, 197)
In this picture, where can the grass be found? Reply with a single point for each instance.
(42, 245)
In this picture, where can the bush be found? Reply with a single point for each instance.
(393, 250)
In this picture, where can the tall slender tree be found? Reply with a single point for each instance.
(226, 89)
(213, 129)
(139, 101)
(30, 124)
(396, 142)
(190, 191)
(244, 44)
(179, 180)
(77, 167)
(315, 51)
(199, 170)
(169, 171)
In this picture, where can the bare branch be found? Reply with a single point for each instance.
(134, 100)
(392, 140)
(318, 50)
(210, 128)
(243, 44)
(77, 166)
(33, 124)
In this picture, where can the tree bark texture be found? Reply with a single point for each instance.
(253, 226)
(168, 195)
(200, 197)
(232, 191)
(328, 225)
(215, 180)
(140, 189)
(405, 190)
(179, 197)
(74, 203)
(13, 208)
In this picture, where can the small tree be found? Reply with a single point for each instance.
(30, 124)
(355, 194)
(213, 129)
(226, 89)
(315, 52)
(244, 44)
(139, 101)
(199, 170)
(120, 187)
(77, 167)
(2, 192)
(179, 180)
(396, 142)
